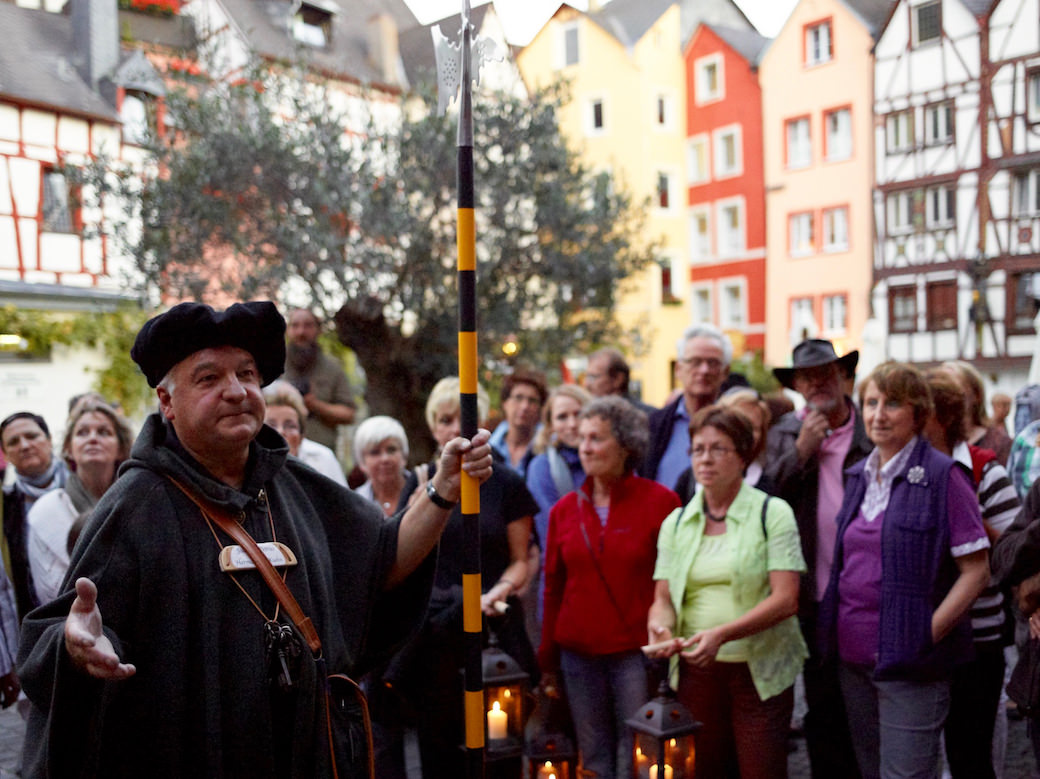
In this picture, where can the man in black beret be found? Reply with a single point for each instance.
(807, 453)
(161, 660)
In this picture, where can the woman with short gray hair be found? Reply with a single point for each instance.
(381, 451)
(599, 565)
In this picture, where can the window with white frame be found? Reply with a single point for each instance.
(730, 230)
(836, 229)
(803, 319)
(569, 53)
(838, 134)
(938, 123)
(1033, 96)
(700, 233)
(664, 111)
(57, 203)
(1026, 193)
(800, 234)
(708, 79)
(926, 21)
(799, 144)
(732, 307)
(702, 308)
(818, 47)
(698, 168)
(900, 212)
(595, 116)
(134, 114)
(899, 131)
(902, 309)
(664, 198)
(835, 314)
(312, 24)
(728, 153)
(940, 206)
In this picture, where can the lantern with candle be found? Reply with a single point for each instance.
(663, 746)
(506, 687)
(549, 750)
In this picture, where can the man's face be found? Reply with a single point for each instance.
(821, 386)
(702, 368)
(215, 404)
(303, 327)
(27, 447)
(522, 407)
(598, 380)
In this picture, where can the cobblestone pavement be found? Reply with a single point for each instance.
(1018, 765)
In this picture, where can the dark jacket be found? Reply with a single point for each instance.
(1016, 555)
(799, 485)
(661, 422)
(917, 571)
(14, 526)
(201, 702)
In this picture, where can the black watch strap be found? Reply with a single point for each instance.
(437, 500)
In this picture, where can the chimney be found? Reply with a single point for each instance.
(95, 39)
(383, 51)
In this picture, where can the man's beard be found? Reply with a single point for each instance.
(302, 358)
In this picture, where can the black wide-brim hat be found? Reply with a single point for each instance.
(812, 353)
(187, 328)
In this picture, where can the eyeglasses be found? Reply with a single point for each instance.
(715, 451)
(713, 364)
(285, 427)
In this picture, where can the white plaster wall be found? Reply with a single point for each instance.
(73, 135)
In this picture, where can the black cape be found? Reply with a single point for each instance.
(201, 703)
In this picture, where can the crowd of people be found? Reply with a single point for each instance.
(866, 541)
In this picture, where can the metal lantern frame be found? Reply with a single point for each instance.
(508, 685)
(663, 744)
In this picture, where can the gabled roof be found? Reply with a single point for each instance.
(35, 65)
(873, 13)
(749, 44)
(267, 27)
(416, 44)
(629, 20)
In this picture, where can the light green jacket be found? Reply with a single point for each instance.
(776, 654)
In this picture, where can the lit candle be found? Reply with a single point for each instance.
(546, 771)
(497, 721)
(667, 771)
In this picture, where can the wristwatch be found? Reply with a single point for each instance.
(431, 493)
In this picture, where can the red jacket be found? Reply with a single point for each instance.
(580, 615)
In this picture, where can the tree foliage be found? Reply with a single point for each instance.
(267, 189)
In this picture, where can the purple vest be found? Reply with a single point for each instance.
(917, 571)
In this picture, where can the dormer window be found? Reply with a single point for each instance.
(134, 113)
(312, 24)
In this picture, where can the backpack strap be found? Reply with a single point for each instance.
(765, 505)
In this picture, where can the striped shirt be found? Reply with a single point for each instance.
(1024, 460)
(999, 505)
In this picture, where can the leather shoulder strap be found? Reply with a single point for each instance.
(230, 525)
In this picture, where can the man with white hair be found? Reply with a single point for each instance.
(704, 357)
(168, 654)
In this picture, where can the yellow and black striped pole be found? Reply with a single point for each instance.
(472, 620)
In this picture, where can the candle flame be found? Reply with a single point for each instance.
(672, 743)
(495, 706)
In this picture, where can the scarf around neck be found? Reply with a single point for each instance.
(33, 488)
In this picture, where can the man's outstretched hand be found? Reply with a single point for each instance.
(89, 648)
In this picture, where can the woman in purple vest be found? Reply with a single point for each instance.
(910, 559)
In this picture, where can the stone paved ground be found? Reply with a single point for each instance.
(1019, 763)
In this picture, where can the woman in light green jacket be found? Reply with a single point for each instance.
(725, 599)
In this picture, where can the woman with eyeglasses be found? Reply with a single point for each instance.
(725, 599)
(287, 413)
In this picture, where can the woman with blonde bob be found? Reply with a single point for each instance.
(97, 441)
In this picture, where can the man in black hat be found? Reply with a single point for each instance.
(808, 452)
(167, 654)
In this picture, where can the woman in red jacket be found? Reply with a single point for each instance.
(599, 566)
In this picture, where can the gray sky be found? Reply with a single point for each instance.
(524, 18)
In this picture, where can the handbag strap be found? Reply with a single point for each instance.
(230, 525)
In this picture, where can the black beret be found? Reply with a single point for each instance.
(187, 328)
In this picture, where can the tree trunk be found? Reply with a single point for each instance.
(400, 370)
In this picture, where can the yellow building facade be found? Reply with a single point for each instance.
(625, 116)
